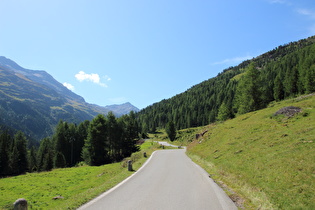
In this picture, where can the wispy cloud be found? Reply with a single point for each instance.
(95, 78)
(294, 5)
(310, 14)
(233, 60)
(277, 1)
(283, 2)
(69, 86)
(107, 78)
(307, 12)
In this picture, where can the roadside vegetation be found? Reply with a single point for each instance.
(263, 161)
(69, 188)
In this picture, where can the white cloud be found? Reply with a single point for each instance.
(307, 12)
(69, 86)
(107, 78)
(95, 78)
(277, 1)
(233, 60)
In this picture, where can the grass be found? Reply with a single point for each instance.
(76, 185)
(263, 161)
(183, 137)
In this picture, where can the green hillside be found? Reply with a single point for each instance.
(284, 72)
(267, 161)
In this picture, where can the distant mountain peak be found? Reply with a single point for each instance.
(121, 109)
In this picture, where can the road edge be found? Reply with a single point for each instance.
(89, 203)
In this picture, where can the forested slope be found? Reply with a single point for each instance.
(284, 72)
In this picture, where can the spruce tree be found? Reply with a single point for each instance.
(5, 145)
(59, 160)
(61, 142)
(248, 94)
(95, 150)
(171, 131)
(310, 79)
(45, 155)
(20, 143)
(32, 160)
(278, 91)
(224, 112)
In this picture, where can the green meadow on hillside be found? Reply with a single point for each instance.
(267, 161)
(76, 185)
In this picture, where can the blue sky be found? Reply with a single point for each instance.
(143, 51)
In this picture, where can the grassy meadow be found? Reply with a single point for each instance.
(263, 161)
(75, 185)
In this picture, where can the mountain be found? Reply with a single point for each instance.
(33, 101)
(40, 77)
(122, 108)
(284, 72)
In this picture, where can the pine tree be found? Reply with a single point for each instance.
(20, 143)
(61, 143)
(310, 80)
(131, 131)
(248, 91)
(81, 135)
(95, 150)
(5, 145)
(45, 155)
(171, 131)
(32, 160)
(278, 91)
(59, 160)
(113, 136)
(224, 112)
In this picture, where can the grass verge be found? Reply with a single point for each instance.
(263, 161)
(75, 186)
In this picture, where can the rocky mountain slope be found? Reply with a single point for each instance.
(33, 101)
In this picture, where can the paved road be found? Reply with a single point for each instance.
(169, 180)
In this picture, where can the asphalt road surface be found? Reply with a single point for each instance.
(168, 180)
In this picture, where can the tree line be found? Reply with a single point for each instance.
(286, 71)
(104, 139)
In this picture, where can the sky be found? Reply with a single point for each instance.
(144, 51)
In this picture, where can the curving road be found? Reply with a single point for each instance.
(168, 180)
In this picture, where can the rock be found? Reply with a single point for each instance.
(58, 197)
(20, 204)
(288, 111)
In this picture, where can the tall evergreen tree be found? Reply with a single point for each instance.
(113, 136)
(59, 160)
(95, 150)
(278, 89)
(5, 145)
(32, 160)
(61, 143)
(130, 134)
(45, 155)
(224, 112)
(81, 135)
(310, 79)
(20, 144)
(171, 131)
(248, 91)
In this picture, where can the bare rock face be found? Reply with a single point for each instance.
(20, 204)
(288, 111)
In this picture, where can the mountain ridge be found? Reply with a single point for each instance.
(286, 71)
(33, 101)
